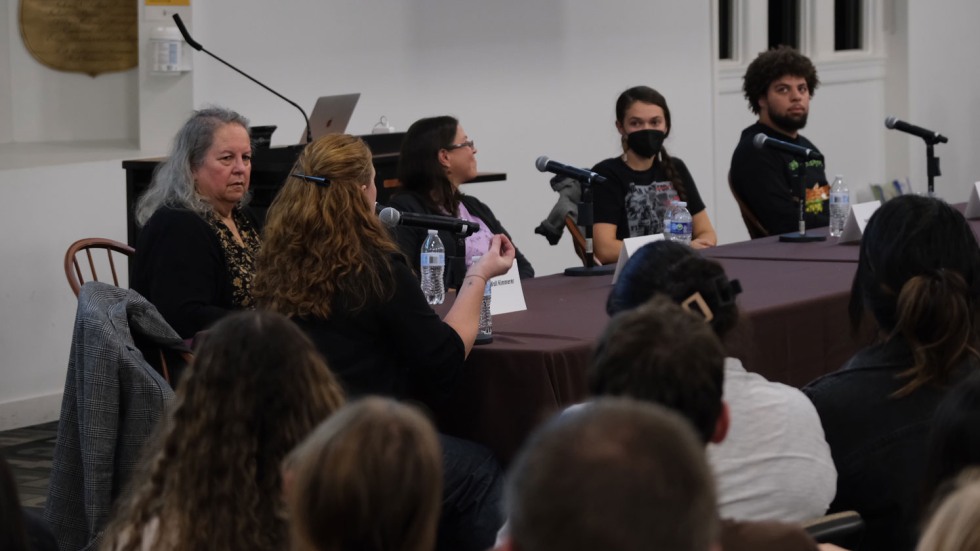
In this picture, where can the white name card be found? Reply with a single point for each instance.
(973, 205)
(630, 246)
(506, 293)
(857, 220)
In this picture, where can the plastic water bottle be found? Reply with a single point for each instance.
(840, 205)
(433, 264)
(677, 223)
(485, 333)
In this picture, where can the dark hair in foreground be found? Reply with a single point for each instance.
(256, 388)
(13, 534)
(919, 275)
(954, 442)
(324, 242)
(646, 94)
(616, 475)
(661, 353)
(679, 272)
(774, 64)
(419, 169)
(368, 478)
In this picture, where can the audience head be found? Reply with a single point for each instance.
(617, 475)
(194, 176)
(368, 478)
(956, 524)
(255, 389)
(436, 157)
(661, 353)
(678, 271)
(323, 238)
(954, 442)
(13, 534)
(773, 65)
(919, 275)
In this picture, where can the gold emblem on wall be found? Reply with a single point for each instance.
(81, 36)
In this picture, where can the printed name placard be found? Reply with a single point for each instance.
(973, 205)
(506, 293)
(630, 246)
(857, 220)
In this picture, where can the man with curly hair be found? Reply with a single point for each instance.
(778, 85)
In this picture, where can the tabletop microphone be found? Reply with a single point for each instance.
(928, 135)
(197, 46)
(391, 218)
(580, 174)
(761, 140)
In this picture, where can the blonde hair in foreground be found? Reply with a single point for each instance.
(369, 478)
(211, 477)
(324, 241)
(955, 526)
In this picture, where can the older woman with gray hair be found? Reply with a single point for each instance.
(194, 255)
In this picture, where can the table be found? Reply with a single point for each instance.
(537, 364)
(770, 248)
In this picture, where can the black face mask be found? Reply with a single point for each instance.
(645, 143)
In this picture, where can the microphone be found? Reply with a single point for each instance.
(580, 174)
(928, 135)
(197, 46)
(761, 140)
(391, 218)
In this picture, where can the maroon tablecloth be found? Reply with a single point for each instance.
(770, 248)
(797, 329)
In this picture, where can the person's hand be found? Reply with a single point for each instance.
(497, 260)
(701, 244)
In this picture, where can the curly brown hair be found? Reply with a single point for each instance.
(324, 241)
(256, 388)
(773, 64)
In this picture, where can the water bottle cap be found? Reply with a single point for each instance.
(433, 232)
(839, 177)
(681, 203)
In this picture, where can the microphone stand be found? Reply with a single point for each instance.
(197, 46)
(932, 166)
(801, 237)
(586, 218)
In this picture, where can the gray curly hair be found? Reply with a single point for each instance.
(173, 180)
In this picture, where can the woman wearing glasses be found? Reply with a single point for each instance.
(436, 158)
(328, 263)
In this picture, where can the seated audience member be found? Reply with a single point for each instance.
(660, 353)
(436, 158)
(329, 264)
(196, 249)
(369, 478)
(955, 526)
(20, 529)
(774, 463)
(256, 388)
(954, 440)
(641, 183)
(778, 86)
(918, 274)
(618, 475)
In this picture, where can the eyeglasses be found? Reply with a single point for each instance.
(467, 143)
(321, 181)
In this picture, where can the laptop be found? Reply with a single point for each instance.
(330, 115)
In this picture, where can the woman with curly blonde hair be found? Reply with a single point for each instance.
(256, 388)
(368, 478)
(329, 264)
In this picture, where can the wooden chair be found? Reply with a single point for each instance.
(112, 249)
(748, 217)
(578, 239)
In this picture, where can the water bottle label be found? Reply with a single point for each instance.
(839, 199)
(433, 259)
(679, 228)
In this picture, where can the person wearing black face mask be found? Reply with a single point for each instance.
(643, 180)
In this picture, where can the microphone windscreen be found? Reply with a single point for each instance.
(389, 217)
(542, 163)
(890, 122)
(759, 140)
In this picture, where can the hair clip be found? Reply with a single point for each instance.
(322, 181)
(699, 306)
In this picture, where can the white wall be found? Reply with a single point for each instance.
(525, 78)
